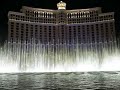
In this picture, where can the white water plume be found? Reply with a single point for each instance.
(27, 57)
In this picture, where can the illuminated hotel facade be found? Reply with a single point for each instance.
(64, 26)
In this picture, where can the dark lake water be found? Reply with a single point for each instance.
(61, 81)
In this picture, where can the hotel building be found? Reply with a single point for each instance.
(63, 26)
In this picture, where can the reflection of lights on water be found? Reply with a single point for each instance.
(61, 58)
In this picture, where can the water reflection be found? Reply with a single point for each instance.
(61, 81)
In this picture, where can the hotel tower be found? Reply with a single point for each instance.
(63, 26)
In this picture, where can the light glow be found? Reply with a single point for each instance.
(62, 58)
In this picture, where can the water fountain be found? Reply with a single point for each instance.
(50, 57)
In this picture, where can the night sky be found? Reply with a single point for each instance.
(15, 5)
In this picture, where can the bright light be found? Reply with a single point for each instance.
(42, 58)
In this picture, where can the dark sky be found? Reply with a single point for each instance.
(15, 5)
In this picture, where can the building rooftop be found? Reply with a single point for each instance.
(61, 5)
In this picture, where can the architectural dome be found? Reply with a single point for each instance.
(61, 5)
